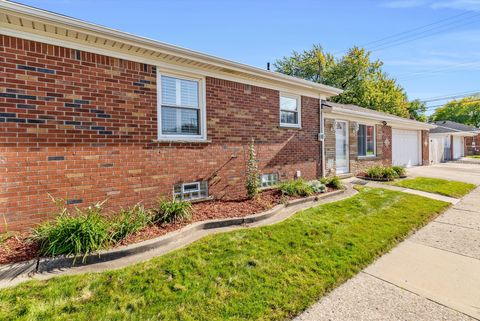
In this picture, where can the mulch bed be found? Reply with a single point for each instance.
(20, 248)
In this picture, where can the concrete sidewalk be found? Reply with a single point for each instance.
(433, 275)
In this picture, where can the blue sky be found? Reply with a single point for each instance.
(444, 60)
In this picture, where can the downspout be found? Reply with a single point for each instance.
(321, 137)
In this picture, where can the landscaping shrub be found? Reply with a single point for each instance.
(382, 173)
(332, 182)
(172, 211)
(129, 221)
(401, 171)
(82, 232)
(335, 182)
(252, 182)
(297, 187)
(317, 186)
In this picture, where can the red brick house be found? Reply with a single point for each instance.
(88, 113)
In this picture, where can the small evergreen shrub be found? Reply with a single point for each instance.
(169, 211)
(79, 233)
(129, 221)
(401, 171)
(297, 187)
(317, 186)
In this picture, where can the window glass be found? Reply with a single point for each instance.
(190, 191)
(267, 180)
(366, 140)
(370, 141)
(180, 110)
(289, 111)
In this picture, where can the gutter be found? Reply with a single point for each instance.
(390, 119)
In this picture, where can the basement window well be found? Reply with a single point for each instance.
(190, 191)
(268, 180)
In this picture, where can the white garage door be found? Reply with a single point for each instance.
(405, 147)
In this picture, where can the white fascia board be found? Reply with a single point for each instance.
(154, 45)
(392, 121)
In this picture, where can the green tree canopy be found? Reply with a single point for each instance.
(465, 111)
(363, 80)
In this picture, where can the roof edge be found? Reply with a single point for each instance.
(392, 119)
(161, 46)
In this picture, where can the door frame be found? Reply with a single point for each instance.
(347, 151)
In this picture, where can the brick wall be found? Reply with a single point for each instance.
(81, 126)
(469, 150)
(358, 164)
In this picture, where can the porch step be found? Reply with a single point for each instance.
(345, 176)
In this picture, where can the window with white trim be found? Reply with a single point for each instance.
(366, 140)
(268, 180)
(190, 191)
(289, 110)
(180, 111)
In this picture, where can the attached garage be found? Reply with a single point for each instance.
(406, 147)
(447, 141)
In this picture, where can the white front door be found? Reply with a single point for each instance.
(341, 147)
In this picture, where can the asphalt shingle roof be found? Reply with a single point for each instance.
(447, 126)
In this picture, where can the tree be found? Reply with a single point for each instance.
(363, 80)
(465, 111)
(417, 110)
(309, 64)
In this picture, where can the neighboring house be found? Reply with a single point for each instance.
(450, 141)
(358, 138)
(88, 113)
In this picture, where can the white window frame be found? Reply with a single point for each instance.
(298, 98)
(201, 105)
(374, 141)
(197, 190)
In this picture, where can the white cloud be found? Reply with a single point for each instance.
(473, 5)
(402, 4)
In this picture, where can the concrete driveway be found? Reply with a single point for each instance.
(433, 275)
(457, 171)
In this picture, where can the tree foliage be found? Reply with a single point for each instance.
(364, 82)
(465, 111)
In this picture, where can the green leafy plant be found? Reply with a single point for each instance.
(382, 173)
(335, 182)
(79, 233)
(252, 180)
(332, 182)
(401, 171)
(317, 186)
(129, 221)
(172, 211)
(297, 187)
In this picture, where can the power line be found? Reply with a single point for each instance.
(402, 34)
(417, 37)
(437, 106)
(447, 95)
(436, 70)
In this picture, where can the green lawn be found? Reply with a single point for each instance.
(474, 156)
(438, 186)
(268, 273)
